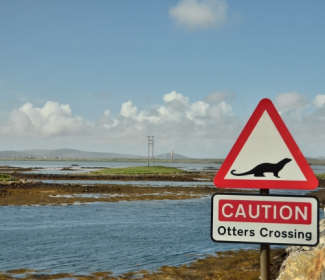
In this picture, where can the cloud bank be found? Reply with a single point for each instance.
(194, 14)
(291, 101)
(306, 126)
(176, 124)
(206, 128)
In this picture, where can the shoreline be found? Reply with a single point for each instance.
(182, 177)
(41, 194)
(24, 191)
(226, 265)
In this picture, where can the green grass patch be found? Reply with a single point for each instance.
(6, 177)
(321, 176)
(139, 170)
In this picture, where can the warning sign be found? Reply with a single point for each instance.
(265, 156)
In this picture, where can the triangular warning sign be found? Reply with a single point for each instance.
(265, 156)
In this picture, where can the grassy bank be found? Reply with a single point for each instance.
(321, 176)
(6, 177)
(139, 170)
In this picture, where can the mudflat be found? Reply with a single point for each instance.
(23, 190)
(38, 193)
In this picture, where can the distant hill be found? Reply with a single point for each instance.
(315, 159)
(13, 154)
(77, 154)
(63, 153)
(168, 156)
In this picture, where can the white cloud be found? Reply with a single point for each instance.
(178, 123)
(39, 115)
(192, 127)
(306, 126)
(128, 110)
(176, 100)
(218, 96)
(53, 119)
(319, 101)
(200, 14)
(290, 101)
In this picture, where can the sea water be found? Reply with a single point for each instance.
(118, 237)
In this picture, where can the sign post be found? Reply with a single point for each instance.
(265, 252)
(265, 156)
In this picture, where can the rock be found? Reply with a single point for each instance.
(298, 266)
(305, 262)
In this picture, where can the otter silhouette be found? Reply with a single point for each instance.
(259, 170)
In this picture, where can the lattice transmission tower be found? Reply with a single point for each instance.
(150, 150)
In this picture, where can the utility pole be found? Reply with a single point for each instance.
(150, 150)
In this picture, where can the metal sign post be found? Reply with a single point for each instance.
(265, 252)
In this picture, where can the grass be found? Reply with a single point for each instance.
(6, 177)
(139, 170)
(321, 176)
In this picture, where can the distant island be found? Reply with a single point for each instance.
(73, 154)
(78, 155)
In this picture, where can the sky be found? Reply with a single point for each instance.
(103, 75)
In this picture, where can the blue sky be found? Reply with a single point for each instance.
(102, 75)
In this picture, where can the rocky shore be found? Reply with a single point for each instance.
(181, 177)
(304, 262)
(229, 265)
(23, 190)
(27, 193)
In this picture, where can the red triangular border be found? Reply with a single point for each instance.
(266, 105)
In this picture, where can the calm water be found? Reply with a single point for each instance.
(162, 184)
(135, 183)
(55, 166)
(119, 237)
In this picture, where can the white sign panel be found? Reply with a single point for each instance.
(265, 145)
(274, 219)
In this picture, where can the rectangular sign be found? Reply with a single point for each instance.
(273, 219)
